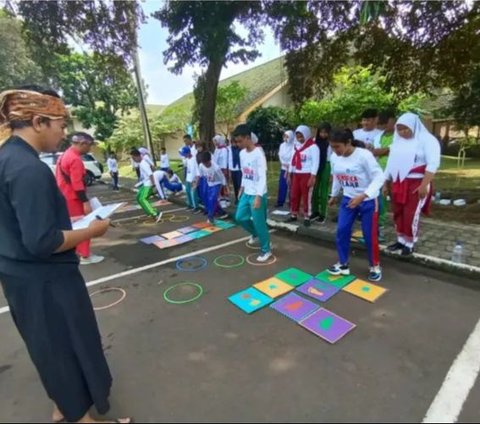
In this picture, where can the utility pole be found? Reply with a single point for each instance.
(147, 135)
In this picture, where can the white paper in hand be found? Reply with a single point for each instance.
(102, 212)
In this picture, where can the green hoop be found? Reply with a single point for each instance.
(217, 263)
(181, 302)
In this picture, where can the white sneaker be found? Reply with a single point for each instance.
(339, 269)
(91, 260)
(252, 241)
(264, 257)
(159, 217)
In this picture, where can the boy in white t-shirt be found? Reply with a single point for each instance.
(191, 178)
(164, 160)
(369, 131)
(215, 180)
(146, 190)
(252, 209)
(112, 165)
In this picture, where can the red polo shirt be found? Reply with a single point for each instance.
(70, 173)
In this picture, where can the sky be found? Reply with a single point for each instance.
(165, 87)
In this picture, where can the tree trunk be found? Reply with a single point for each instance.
(206, 110)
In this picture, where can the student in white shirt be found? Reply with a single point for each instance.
(252, 209)
(235, 168)
(413, 161)
(369, 131)
(112, 166)
(304, 168)
(173, 182)
(215, 180)
(164, 160)
(191, 176)
(358, 174)
(159, 178)
(220, 157)
(285, 155)
(146, 190)
(147, 156)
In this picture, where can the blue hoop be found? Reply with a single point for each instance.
(203, 264)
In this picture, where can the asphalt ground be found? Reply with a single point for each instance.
(207, 361)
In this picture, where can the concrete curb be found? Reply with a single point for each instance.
(417, 258)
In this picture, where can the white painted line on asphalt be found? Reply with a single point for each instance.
(157, 264)
(142, 215)
(460, 379)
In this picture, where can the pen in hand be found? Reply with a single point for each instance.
(101, 219)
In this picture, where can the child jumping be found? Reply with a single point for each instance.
(356, 171)
(146, 190)
(252, 208)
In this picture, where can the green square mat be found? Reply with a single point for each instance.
(339, 281)
(294, 276)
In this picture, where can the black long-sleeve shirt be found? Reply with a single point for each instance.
(33, 213)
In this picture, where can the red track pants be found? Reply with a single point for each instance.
(301, 193)
(75, 209)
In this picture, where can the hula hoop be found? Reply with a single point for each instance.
(217, 260)
(101, 308)
(252, 247)
(180, 262)
(167, 216)
(179, 218)
(181, 302)
(250, 262)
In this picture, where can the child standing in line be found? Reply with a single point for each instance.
(146, 190)
(234, 168)
(113, 169)
(252, 208)
(220, 157)
(191, 176)
(164, 160)
(215, 180)
(285, 155)
(304, 167)
(412, 164)
(369, 130)
(322, 184)
(202, 185)
(356, 171)
(381, 144)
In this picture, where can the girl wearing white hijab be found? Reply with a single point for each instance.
(285, 155)
(304, 168)
(414, 159)
(220, 157)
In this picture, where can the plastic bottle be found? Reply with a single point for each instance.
(457, 254)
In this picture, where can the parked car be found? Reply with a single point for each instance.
(93, 167)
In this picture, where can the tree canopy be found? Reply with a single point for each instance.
(206, 33)
(99, 88)
(417, 45)
(16, 64)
